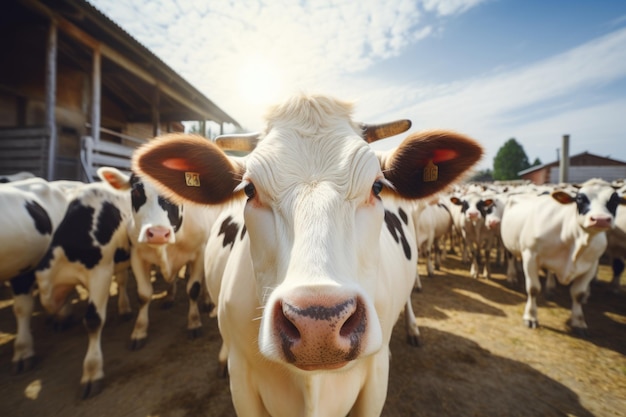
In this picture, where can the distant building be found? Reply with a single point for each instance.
(582, 167)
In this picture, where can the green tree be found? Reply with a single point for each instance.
(536, 162)
(509, 160)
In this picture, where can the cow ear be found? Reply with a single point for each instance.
(562, 197)
(455, 200)
(188, 168)
(115, 178)
(427, 162)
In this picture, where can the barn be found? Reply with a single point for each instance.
(582, 167)
(77, 92)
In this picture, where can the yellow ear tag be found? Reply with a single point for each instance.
(192, 179)
(431, 172)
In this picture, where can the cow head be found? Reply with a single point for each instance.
(473, 206)
(155, 218)
(596, 204)
(314, 216)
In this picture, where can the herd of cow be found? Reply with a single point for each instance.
(307, 246)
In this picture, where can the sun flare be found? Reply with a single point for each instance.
(260, 81)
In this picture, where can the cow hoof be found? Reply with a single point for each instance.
(580, 332)
(137, 344)
(91, 388)
(207, 307)
(531, 324)
(417, 289)
(413, 340)
(194, 333)
(23, 365)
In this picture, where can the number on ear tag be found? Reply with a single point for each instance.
(192, 179)
(431, 172)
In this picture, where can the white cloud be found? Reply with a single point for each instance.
(531, 103)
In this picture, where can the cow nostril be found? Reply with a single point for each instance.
(286, 327)
(355, 324)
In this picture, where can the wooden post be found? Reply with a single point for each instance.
(96, 92)
(156, 122)
(51, 90)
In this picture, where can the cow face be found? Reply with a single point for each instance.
(596, 204)
(155, 218)
(473, 206)
(314, 216)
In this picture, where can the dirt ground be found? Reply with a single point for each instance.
(476, 358)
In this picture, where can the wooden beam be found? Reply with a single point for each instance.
(96, 98)
(51, 91)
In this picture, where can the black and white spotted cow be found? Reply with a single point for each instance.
(563, 232)
(89, 247)
(469, 218)
(616, 245)
(31, 211)
(168, 236)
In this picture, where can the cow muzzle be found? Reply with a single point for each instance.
(156, 235)
(320, 333)
(600, 222)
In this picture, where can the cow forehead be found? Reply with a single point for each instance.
(284, 159)
(597, 192)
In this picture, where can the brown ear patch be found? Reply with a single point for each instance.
(187, 168)
(410, 168)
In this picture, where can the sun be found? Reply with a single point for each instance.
(260, 81)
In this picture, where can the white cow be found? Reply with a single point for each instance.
(563, 233)
(616, 246)
(434, 222)
(32, 210)
(165, 235)
(308, 301)
(89, 247)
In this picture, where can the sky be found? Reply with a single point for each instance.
(533, 70)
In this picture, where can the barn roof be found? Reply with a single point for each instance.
(135, 90)
(581, 159)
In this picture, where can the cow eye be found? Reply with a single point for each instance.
(249, 190)
(377, 187)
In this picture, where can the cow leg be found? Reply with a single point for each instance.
(474, 268)
(222, 370)
(487, 260)
(579, 291)
(417, 285)
(141, 270)
(99, 284)
(533, 287)
(23, 304)
(550, 284)
(194, 289)
(429, 259)
(410, 323)
(618, 268)
(511, 269)
(438, 253)
(123, 303)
